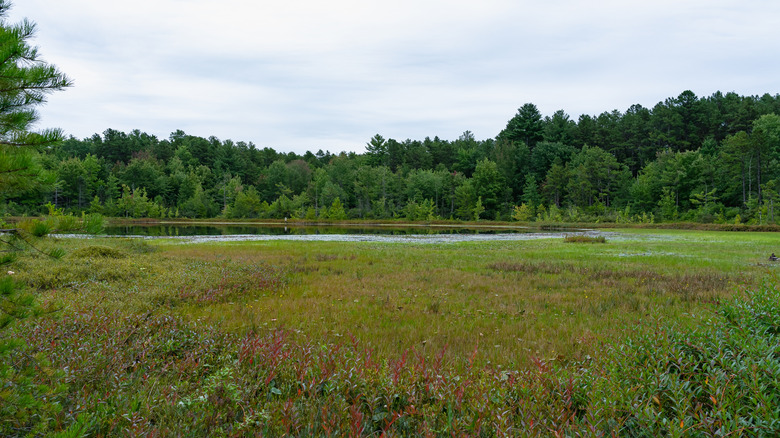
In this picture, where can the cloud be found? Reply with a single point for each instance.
(300, 75)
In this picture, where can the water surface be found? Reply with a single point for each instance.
(342, 233)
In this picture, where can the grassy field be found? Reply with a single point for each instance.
(516, 300)
(391, 309)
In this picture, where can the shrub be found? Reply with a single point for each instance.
(721, 379)
(158, 375)
(584, 239)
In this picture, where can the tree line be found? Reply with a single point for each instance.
(709, 159)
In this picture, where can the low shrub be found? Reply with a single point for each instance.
(721, 379)
(157, 375)
(73, 271)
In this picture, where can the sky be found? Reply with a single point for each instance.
(299, 75)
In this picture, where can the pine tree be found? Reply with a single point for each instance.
(25, 81)
(526, 126)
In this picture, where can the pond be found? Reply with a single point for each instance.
(346, 233)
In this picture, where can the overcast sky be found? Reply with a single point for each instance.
(301, 75)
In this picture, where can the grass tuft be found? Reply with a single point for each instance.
(584, 239)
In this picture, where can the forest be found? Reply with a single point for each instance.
(712, 159)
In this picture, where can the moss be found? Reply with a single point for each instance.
(137, 246)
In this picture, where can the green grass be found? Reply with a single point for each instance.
(517, 300)
(340, 336)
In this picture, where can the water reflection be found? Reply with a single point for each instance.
(184, 230)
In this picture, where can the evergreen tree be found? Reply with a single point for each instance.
(25, 81)
(531, 192)
(559, 128)
(336, 210)
(526, 126)
(766, 142)
(555, 183)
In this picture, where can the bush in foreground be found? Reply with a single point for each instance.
(154, 375)
(719, 380)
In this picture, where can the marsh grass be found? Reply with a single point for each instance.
(225, 281)
(522, 299)
(584, 239)
(702, 285)
(333, 339)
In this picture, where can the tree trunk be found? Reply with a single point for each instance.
(744, 201)
(758, 176)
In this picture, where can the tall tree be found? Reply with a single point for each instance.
(585, 134)
(513, 162)
(376, 151)
(368, 185)
(608, 136)
(672, 173)
(555, 183)
(693, 120)
(766, 142)
(490, 186)
(72, 183)
(559, 128)
(545, 154)
(442, 152)
(526, 126)
(635, 127)
(467, 154)
(115, 146)
(596, 176)
(25, 83)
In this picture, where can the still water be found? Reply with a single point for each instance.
(346, 233)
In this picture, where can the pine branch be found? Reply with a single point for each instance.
(17, 144)
(16, 232)
(13, 170)
(9, 243)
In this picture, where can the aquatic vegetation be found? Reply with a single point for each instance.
(579, 238)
